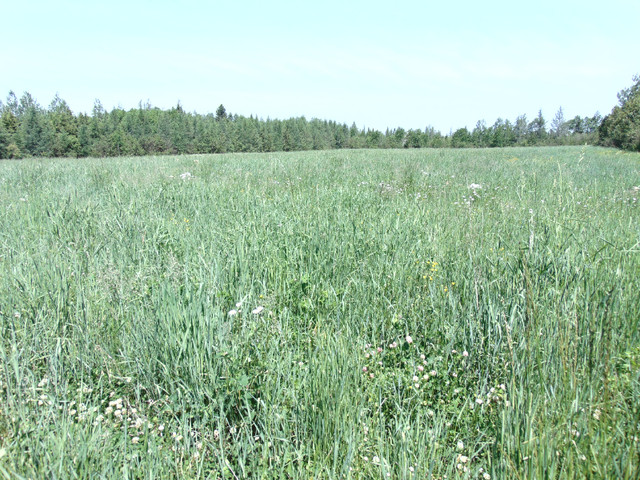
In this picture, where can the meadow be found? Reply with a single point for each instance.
(392, 314)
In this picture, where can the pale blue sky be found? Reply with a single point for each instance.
(380, 64)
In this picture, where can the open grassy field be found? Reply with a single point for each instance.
(340, 314)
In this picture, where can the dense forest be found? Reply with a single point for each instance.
(29, 130)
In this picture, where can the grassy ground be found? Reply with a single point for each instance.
(344, 314)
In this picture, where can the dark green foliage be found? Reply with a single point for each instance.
(537, 128)
(26, 130)
(4, 141)
(461, 138)
(621, 128)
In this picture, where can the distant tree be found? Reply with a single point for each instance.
(4, 142)
(575, 125)
(480, 134)
(34, 134)
(397, 138)
(558, 127)
(520, 129)
(414, 139)
(461, 138)
(65, 129)
(591, 124)
(9, 121)
(11, 103)
(537, 129)
(26, 103)
(502, 134)
(221, 113)
(373, 138)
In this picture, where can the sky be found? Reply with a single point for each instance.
(382, 65)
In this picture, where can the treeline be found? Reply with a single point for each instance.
(621, 128)
(29, 130)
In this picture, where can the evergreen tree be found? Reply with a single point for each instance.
(537, 129)
(221, 113)
(34, 135)
(65, 129)
(480, 134)
(4, 142)
(520, 129)
(558, 127)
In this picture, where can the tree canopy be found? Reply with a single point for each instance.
(27, 129)
(621, 128)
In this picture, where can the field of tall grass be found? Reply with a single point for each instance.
(397, 314)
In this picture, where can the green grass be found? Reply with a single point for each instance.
(119, 357)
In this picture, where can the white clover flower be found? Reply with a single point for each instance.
(460, 445)
(465, 354)
(257, 310)
(233, 313)
(475, 186)
(409, 339)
